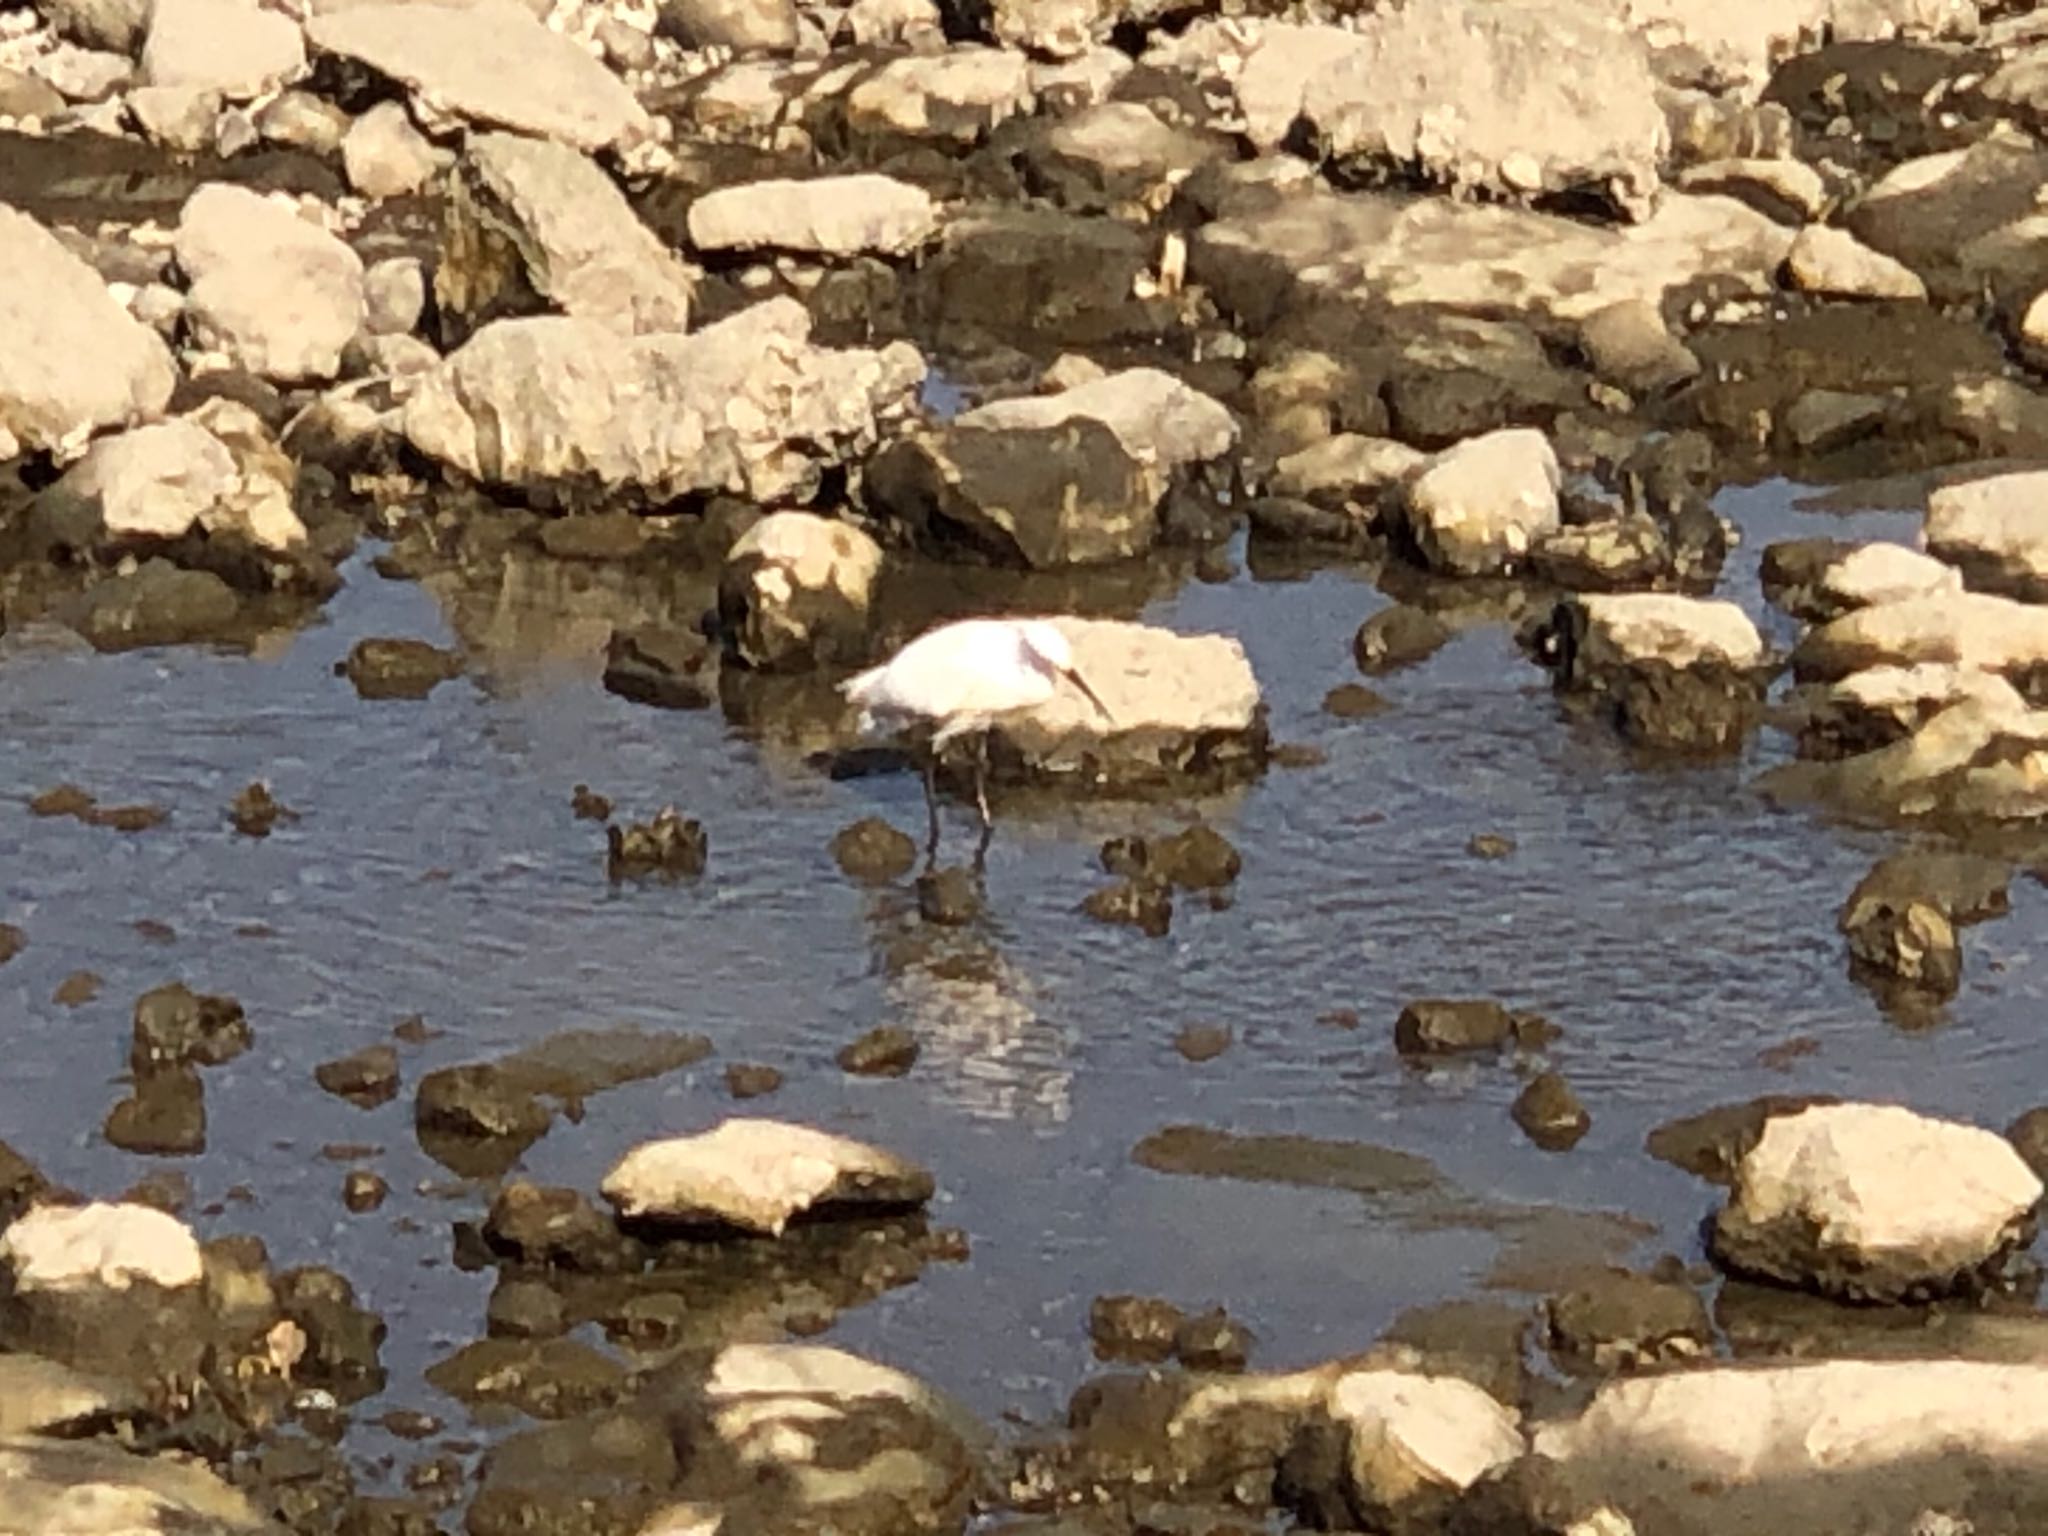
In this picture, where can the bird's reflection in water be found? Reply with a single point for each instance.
(986, 1048)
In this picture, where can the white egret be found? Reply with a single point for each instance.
(961, 679)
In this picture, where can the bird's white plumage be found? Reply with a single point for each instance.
(962, 676)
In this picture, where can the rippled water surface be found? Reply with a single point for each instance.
(1673, 924)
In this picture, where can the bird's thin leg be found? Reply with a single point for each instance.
(931, 805)
(988, 822)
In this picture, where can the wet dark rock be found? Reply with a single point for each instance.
(1144, 902)
(156, 604)
(1483, 1342)
(413, 1030)
(1203, 1042)
(61, 800)
(588, 805)
(1136, 1329)
(526, 1309)
(176, 1026)
(1490, 845)
(1212, 1341)
(669, 846)
(666, 667)
(1397, 637)
(1127, 856)
(382, 668)
(477, 1119)
(887, 1050)
(1902, 918)
(949, 897)
(752, 1080)
(1448, 1026)
(2028, 1134)
(553, 1228)
(601, 1475)
(363, 1191)
(543, 1378)
(1198, 859)
(163, 1116)
(1041, 276)
(1304, 1161)
(1355, 701)
(872, 850)
(255, 811)
(12, 942)
(1550, 1114)
(77, 989)
(1711, 1143)
(126, 818)
(154, 931)
(366, 1079)
(20, 1183)
(1617, 1321)
(1294, 521)
(343, 1339)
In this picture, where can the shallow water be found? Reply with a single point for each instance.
(1672, 923)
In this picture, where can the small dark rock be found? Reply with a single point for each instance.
(589, 805)
(255, 811)
(366, 1079)
(409, 1424)
(1354, 701)
(1144, 903)
(666, 667)
(668, 845)
(949, 897)
(412, 1030)
(545, 1378)
(1127, 856)
(1397, 637)
(751, 1080)
(1446, 1026)
(887, 1050)
(168, 1190)
(525, 1309)
(63, 800)
(342, 1338)
(870, 849)
(1533, 1032)
(1490, 845)
(156, 604)
(164, 1116)
(1550, 1114)
(1212, 1341)
(1199, 859)
(363, 1191)
(1621, 1321)
(125, 818)
(76, 990)
(475, 1121)
(556, 1228)
(175, 1025)
(12, 942)
(383, 668)
(1202, 1042)
(1140, 1329)
(154, 932)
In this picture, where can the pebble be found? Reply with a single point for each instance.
(888, 1050)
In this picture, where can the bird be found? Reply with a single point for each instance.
(962, 679)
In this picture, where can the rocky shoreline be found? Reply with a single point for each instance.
(829, 320)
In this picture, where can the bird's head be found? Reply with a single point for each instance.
(1046, 647)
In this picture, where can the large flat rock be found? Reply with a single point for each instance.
(72, 360)
(569, 410)
(488, 62)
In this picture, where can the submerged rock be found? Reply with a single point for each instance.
(1901, 920)
(1873, 1202)
(384, 668)
(662, 666)
(1143, 902)
(1550, 1114)
(1447, 1026)
(255, 812)
(795, 591)
(758, 1175)
(366, 1079)
(668, 845)
(1617, 1321)
(887, 1050)
(1398, 637)
(156, 604)
(870, 849)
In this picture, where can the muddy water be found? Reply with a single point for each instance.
(1670, 922)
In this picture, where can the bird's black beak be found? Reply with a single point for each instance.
(1081, 683)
